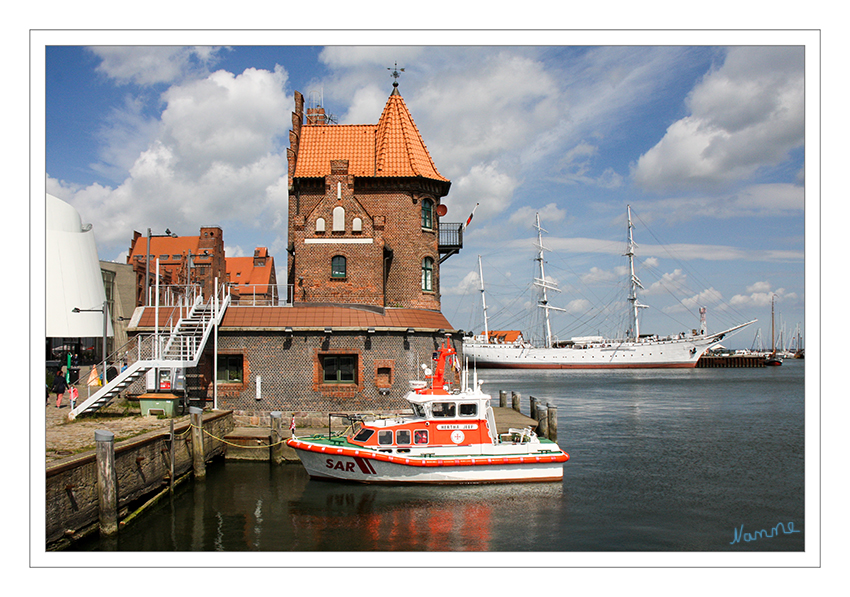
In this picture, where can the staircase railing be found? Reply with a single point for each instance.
(182, 347)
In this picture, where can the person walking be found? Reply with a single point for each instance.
(59, 386)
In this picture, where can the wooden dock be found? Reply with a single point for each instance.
(732, 362)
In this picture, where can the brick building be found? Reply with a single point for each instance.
(365, 243)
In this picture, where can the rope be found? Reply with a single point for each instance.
(224, 441)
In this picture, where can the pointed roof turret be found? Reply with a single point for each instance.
(391, 148)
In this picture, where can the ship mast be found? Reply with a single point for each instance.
(635, 282)
(540, 282)
(483, 301)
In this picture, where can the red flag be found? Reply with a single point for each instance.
(470, 216)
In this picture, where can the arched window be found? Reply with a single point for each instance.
(427, 214)
(320, 224)
(428, 274)
(339, 219)
(338, 266)
(357, 225)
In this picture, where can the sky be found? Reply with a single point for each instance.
(705, 143)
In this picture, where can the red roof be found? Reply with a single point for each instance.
(315, 317)
(167, 248)
(504, 336)
(393, 147)
(241, 271)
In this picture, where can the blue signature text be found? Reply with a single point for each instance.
(740, 535)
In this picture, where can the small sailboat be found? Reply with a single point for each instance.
(772, 359)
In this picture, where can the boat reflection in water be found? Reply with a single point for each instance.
(255, 506)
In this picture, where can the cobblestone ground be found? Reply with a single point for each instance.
(64, 438)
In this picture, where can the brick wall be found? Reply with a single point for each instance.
(289, 366)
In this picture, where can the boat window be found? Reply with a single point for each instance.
(385, 437)
(420, 436)
(468, 410)
(443, 409)
(402, 437)
(363, 435)
(418, 410)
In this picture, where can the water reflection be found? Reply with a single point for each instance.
(262, 507)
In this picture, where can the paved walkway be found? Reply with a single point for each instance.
(64, 438)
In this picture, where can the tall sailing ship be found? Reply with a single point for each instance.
(590, 352)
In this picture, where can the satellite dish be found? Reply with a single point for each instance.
(442, 210)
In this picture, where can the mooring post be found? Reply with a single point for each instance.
(196, 416)
(515, 401)
(277, 436)
(532, 407)
(543, 421)
(107, 482)
(171, 456)
(553, 422)
(503, 398)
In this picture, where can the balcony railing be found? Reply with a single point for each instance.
(451, 239)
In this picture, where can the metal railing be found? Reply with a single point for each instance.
(261, 295)
(451, 235)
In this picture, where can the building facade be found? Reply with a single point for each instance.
(362, 314)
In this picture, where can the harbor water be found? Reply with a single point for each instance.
(700, 460)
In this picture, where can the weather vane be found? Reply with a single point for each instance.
(396, 73)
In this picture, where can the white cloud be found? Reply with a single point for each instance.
(744, 115)
(148, 65)
(753, 201)
(549, 214)
(470, 282)
(710, 296)
(217, 157)
(672, 282)
(760, 295)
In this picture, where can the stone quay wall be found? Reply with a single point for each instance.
(143, 466)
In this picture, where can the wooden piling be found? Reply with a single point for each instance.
(532, 407)
(503, 399)
(171, 456)
(199, 465)
(107, 482)
(542, 421)
(553, 422)
(515, 402)
(277, 437)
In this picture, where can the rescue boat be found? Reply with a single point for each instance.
(450, 438)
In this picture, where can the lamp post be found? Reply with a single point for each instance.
(105, 311)
(168, 233)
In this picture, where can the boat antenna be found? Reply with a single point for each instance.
(635, 282)
(541, 283)
(483, 301)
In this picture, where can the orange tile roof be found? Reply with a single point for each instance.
(241, 270)
(314, 317)
(505, 336)
(165, 245)
(393, 147)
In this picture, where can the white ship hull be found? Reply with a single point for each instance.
(662, 354)
(368, 467)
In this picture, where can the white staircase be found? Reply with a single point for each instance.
(180, 346)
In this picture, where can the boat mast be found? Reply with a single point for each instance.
(772, 337)
(635, 282)
(543, 285)
(483, 301)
